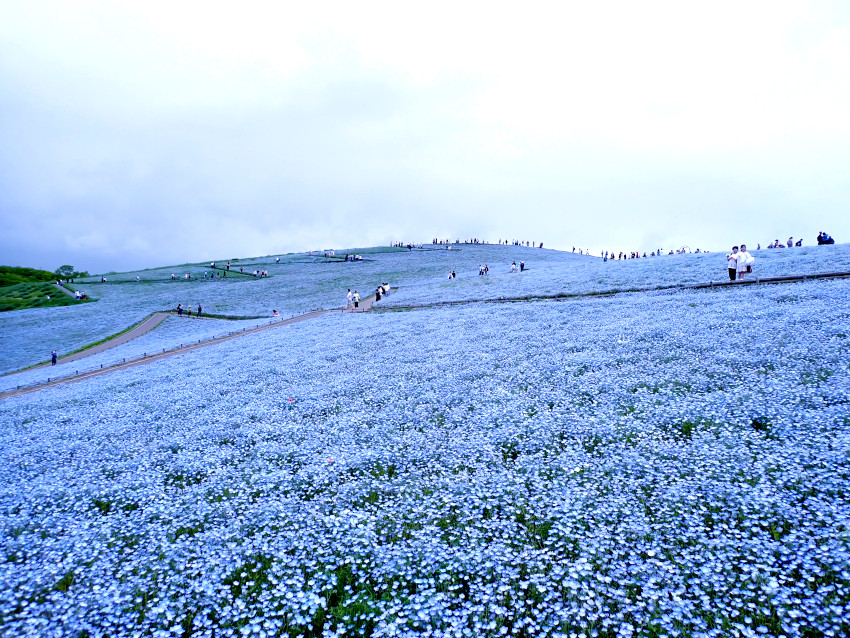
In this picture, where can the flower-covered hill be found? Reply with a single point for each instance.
(636, 465)
(300, 283)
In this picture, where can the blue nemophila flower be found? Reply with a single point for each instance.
(681, 481)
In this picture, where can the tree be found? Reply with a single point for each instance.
(67, 272)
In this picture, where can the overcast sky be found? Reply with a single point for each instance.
(137, 134)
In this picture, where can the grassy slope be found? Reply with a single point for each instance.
(11, 275)
(33, 295)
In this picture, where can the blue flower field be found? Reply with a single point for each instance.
(667, 463)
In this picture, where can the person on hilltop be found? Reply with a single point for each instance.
(522, 266)
(745, 262)
(824, 239)
(732, 263)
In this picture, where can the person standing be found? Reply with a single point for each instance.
(744, 262)
(356, 298)
(732, 263)
(53, 358)
(348, 300)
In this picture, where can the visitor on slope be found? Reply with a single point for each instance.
(521, 266)
(347, 300)
(275, 313)
(53, 358)
(356, 298)
(732, 263)
(200, 310)
(179, 310)
(513, 267)
(745, 262)
(790, 242)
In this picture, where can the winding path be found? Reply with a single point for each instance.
(146, 326)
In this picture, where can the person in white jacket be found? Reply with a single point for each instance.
(745, 262)
(732, 263)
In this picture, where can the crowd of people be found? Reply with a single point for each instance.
(188, 310)
(778, 244)
(824, 239)
(484, 242)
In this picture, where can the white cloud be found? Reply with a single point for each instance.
(363, 119)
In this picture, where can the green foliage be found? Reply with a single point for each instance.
(67, 272)
(11, 275)
(34, 295)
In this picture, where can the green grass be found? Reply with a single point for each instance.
(34, 295)
(11, 275)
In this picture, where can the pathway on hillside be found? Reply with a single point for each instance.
(146, 326)
(65, 290)
(366, 305)
(141, 328)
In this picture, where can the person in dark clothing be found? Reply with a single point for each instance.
(521, 266)
(53, 358)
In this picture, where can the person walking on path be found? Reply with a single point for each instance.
(745, 261)
(732, 263)
(347, 300)
(53, 358)
(356, 298)
(179, 310)
(522, 266)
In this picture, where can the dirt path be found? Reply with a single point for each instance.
(146, 326)
(65, 290)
